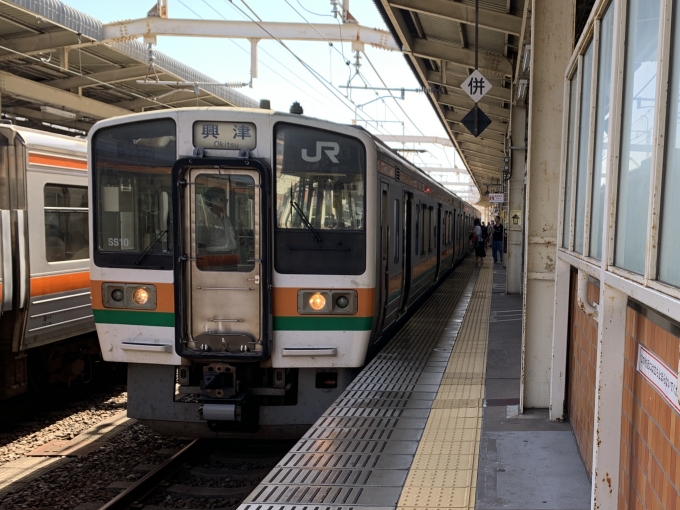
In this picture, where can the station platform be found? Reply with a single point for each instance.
(433, 421)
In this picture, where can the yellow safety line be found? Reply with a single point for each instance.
(444, 470)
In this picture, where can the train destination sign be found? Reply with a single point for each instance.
(225, 135)
(476, 86)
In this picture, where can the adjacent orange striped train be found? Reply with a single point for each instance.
(46, 326)
(246, 263)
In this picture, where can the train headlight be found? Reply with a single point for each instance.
(140, 296)
(317, 301)
(117, 295)
(342, 302)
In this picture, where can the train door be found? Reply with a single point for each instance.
(14, 238)
(438, 239)
(383, 270)
(407, 254)
(223, 238)
(454, 237)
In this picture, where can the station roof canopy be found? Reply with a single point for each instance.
(438, 41)
(54, 56)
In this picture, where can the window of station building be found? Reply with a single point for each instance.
(66, 224)
(669, 242)
(583, 139)
(604, 82)
(569, 170)
(639, 101)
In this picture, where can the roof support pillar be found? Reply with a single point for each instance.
(515, 226)
(553, 22)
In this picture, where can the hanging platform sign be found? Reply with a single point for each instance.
(476, 121)
(496, 198)
(659, 375)
(476, 86)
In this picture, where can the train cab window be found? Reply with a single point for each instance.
(132, 165)
(225, 215)
(320, 179)
(66, 224)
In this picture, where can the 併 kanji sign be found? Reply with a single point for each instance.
(476, 86)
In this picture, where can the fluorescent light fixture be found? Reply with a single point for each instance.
(526, 58)
(58, 112)
(522, 86)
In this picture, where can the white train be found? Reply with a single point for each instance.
(246, 263)
(44, 268)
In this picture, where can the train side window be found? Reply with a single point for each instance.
(432, 229)
(416, 230)
(426, 228)
(396, 230)
(66, 223)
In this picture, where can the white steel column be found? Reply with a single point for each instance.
(551, 35)
(558, 362)
(611, 341)
(513, 259)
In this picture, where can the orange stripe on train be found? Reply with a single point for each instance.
(43, 285)
(41, 159)
(285, 302)
(165, 295)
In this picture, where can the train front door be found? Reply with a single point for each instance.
(225, 268)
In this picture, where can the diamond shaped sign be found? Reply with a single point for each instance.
(476, 86)
(476, 121)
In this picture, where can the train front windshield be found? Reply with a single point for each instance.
(132, 167)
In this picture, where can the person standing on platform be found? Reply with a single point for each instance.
(497, 241)
(478, 241)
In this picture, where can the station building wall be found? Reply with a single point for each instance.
(618, 225)
(650, 428)
(582, 364)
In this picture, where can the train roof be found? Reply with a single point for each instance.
(35, 139)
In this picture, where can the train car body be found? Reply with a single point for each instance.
(246, 263)
(45, 294)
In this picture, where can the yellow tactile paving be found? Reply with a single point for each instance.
(444, 471)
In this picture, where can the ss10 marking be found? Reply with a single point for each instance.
(331, 152)
(124, 242)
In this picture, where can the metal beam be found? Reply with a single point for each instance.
(462, 171)
(453, 82)
(442, 51)
(487, 153)
(33, 44)
(494, 127)
(134, 104)
(416, 139)
(463, 135)
(44, 94)
(151, 27)
(465, 104)
(487, 144)
(39, 116)
(88, 80)
(492, 20)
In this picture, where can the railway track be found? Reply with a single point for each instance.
(203, 474)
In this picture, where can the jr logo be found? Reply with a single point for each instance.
(332, 151)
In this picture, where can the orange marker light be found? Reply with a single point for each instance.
(140, 296)
(317, 301)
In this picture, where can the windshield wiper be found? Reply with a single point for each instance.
(151, 245)
(298, 210)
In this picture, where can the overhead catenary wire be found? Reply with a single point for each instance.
(246, 51)
(328, 86)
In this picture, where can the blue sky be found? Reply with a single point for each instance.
(282, 78)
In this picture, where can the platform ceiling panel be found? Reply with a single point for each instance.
(439, 43)
(49, 50)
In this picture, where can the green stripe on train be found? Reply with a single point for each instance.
(134, 318)
(323, 323)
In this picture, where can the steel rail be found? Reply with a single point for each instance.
(149, 482)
